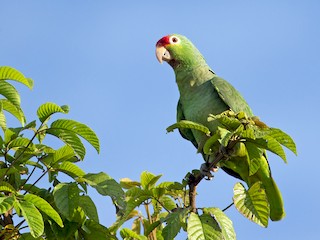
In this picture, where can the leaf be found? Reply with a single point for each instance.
(148, 180)
(66, 198)
(13, 110)
(6, 187)
(32, 216)
(203, 227)
(70, 139)
(71, 127)
(224, 222)
(9, 73)
(62, 154)
(89, 208)
(127, 233)
(127, 183)
(253, 204)
(97, 231)
(173, 226)
(71, 169)
(10, 93)
(45, 111)
(44, 207)
(207, 148)
(6, 204)
(254, 154)
(283, 138)
(190, 125)
(3, 122)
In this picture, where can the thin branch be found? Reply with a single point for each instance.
(196, 178)
(226, 208)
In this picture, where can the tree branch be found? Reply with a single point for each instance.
(196, 177)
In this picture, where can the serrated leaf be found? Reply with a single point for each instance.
(252, 204)
(32, 216)
(189, 125)
(224, 222)
(203, 227)
(148, 180)
(9, 73)
(44, 207)
(45, 111)
(6, 204)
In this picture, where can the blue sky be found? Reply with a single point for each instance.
(99, 58)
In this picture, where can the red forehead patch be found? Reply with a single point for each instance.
(163, 41)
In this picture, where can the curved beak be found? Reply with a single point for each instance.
(162, 54)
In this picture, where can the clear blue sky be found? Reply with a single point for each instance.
(98, 57)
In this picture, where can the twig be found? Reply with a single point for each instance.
(195, 179)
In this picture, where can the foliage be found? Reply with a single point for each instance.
(64, 210)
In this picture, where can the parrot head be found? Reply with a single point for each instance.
(177, 51)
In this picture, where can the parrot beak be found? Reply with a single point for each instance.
(162, 54)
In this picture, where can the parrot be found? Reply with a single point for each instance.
(202, 92)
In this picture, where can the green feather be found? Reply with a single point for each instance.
(202, 93)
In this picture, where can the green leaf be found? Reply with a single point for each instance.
(283, 138)
(203, 227)
(9, 73)
(3, 122)
(148, 180)
(70, 139)
(71, 169)
(224, 222)
(44, 207)
(173, 220)
(127, 233)
(254, 155)
(96, 231)
(69, 129)
(207, 148)
(13, 110)
(45, 111)
(63, 154)
(32, 216)
(270, 144)
(6, 187)
(127, 183)
(190, 125)
(66, 198)
(89, 208)
(253, 204)
(10, 93)
(6, 204)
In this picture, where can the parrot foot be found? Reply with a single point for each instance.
(206, 171)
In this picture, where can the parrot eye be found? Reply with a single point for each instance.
(174, 40)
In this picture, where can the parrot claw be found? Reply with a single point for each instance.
(206, 172)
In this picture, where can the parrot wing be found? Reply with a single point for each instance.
(231, 96)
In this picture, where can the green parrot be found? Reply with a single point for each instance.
(202, 93)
